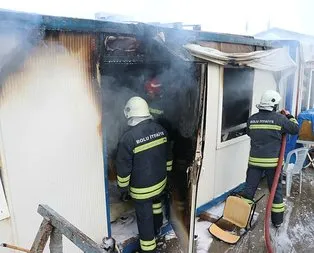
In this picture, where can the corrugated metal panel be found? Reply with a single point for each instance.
(50, 119)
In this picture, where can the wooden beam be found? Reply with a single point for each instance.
(71, 232)
(55, 245)
(41, 237)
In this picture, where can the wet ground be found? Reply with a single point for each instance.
(295, 235)
(165, 244)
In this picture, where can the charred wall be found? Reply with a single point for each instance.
(50, 126)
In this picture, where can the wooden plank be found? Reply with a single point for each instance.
(42, 237)
(9, 246)
(55, 245)
(67, 229)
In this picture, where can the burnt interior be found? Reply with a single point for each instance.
(126, 64)
(237, 101)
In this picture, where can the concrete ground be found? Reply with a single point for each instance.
(297, 232)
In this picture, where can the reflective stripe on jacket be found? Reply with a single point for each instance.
(156, 108)
(142, 160)
(265, 129)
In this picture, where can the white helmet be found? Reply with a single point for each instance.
(136, 107)
(269, 100)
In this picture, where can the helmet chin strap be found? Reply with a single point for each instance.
(276, 107)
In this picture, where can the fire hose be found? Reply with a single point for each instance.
(272, 193)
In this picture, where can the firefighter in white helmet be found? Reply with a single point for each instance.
(142, 169)
(269, 101)
(265, 129)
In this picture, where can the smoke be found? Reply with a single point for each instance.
(238, 91)
(17, 39)
(179, 99)
(114, 97)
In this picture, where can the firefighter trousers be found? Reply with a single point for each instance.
(253, 178)
(149, 216)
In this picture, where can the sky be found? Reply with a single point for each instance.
(226, 16)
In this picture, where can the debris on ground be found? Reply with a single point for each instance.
(296, 234)
(125, 231)
(204, 239)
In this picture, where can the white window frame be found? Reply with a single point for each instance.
(223, 144)
(309, 90)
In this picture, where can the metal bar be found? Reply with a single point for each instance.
(55, 245)
(106, 171)
(41, 237)
(235, 128)
(67, 229)
(196, 167)
(24, 20)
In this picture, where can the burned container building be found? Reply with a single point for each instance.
(126, 65)
(64, 84)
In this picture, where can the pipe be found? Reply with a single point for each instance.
(272, 193)
(5, 245)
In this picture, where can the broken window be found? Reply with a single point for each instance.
(237, 101)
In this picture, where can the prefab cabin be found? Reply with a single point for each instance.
(64, 83)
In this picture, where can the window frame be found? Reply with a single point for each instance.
(310, 99)
(242, 138)
(307, 89)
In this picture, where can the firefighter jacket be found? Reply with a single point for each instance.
(265, 129)
(160, 111)
(142, 160)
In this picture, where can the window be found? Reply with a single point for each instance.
(237, 101)
(308, 90)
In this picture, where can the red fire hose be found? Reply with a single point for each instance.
(272, 193)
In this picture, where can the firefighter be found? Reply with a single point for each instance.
(157, 108)
(142, 169)
(265, 129)
(157, 103)
(163, 111)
